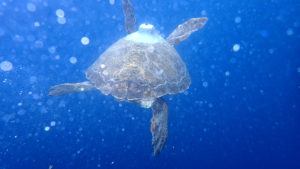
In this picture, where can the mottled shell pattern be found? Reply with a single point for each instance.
(133, 70)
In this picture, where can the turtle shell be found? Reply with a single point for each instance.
(131, 70)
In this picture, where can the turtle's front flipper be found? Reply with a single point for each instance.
(184, 30)
(129, 17)
(159, 125)
(67, 88)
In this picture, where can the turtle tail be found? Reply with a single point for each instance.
(67, 88)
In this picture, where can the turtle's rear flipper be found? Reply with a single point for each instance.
(130, 23)
(184, 30)
(159, 125)
(67, 88)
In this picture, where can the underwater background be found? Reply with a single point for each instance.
(241, 110)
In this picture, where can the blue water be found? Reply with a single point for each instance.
(241, 110)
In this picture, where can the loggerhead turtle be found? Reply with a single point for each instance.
(140, 68)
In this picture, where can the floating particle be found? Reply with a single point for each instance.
(36, 96)
(264, 33)
(2, 32)
(37, 24)
(290, 32)
(261, 91)
(61, 20)
(271, 51)
(52, 49)
(298, 69)
(60, 13)
(205, 84)
(236, 47)
(47, 128)
(85, 40)
(52, 123)
(227, 73)
(31, 7)
(38, 44)
(73, 60)
(18, 38)
(112, 2)
(30, 38)
(6, 66)
(21, 112)
(32, 79)
(57, 57)
(237, 19)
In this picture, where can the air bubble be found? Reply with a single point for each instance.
(47, 128)
(236, 47)
(31, 7)
(61, 20)
(37, 24)
(60, 13)
(52, 49)
(111, 2)
(237, 19)
(85, 40)
(6, 66)
(52, 123)
(73, 60)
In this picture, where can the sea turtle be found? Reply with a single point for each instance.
(140, 68)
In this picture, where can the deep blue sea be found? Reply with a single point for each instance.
(242, 110)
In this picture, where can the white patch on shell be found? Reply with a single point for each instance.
(145, 34)
(161, 71)
(102, 66)
(150, 49)
(105, 73)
